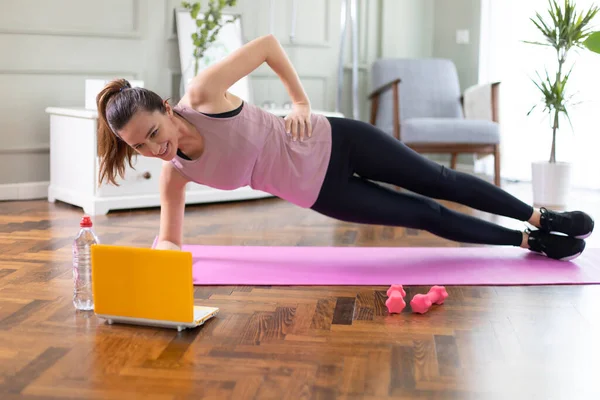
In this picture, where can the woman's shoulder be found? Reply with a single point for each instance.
(195, 100)
(194, 97)
(184, 102)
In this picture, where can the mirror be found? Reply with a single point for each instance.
(229, 39)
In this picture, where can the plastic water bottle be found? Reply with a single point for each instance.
(82, 265)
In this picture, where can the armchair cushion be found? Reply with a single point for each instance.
(478, 101)
(428, 88)
(449, 130)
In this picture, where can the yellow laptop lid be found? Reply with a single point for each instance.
(142, 283)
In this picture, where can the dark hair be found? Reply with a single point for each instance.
(117, 103)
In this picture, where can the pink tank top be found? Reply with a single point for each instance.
(253, 149)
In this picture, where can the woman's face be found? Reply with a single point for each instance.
(152, 134)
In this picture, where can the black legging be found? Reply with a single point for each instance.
(362, 149)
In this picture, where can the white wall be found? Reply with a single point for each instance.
(451, 16)
(409, 28)
(50, 47)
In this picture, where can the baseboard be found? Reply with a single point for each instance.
(24, 191)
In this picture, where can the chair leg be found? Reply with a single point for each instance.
(453, 160)
(497, 165)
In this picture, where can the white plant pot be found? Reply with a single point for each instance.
(551, 183)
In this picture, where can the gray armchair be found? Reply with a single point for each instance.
(418, 101)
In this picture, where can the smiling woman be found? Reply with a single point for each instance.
(134, 120)
(124, 103)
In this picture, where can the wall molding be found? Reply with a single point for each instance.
(24, 191)
(135, 33)
(59, 32)
(77, 72)
(263, 75)
(44, 148)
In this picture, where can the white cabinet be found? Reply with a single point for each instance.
(74, 167)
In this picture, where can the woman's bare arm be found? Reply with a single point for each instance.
(216, 79)
(172, 200)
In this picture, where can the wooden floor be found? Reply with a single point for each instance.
(285, 342)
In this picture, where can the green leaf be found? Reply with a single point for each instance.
(208, 24)
(531, 110)
(195, 10)
(536, 43)
(593, 42)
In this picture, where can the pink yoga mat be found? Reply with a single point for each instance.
(272, 265)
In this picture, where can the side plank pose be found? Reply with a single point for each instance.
(326, 164)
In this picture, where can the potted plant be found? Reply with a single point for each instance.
(208, 25)
(565, 31)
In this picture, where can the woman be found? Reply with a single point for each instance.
(327, 164)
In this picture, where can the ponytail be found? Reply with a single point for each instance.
(117, 103)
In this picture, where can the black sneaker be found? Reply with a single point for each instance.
(559, 247)
(572, 223)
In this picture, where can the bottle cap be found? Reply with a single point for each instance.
(86, 222)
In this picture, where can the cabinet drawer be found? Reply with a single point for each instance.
(143, 179)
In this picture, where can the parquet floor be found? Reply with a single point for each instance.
(285, 342)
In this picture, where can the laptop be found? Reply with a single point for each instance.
(145, 287)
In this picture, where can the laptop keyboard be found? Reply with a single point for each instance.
(198, 313)
(203, 313)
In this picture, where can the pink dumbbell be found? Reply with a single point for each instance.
(396, 288)
(395, 302)
(421, 303)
